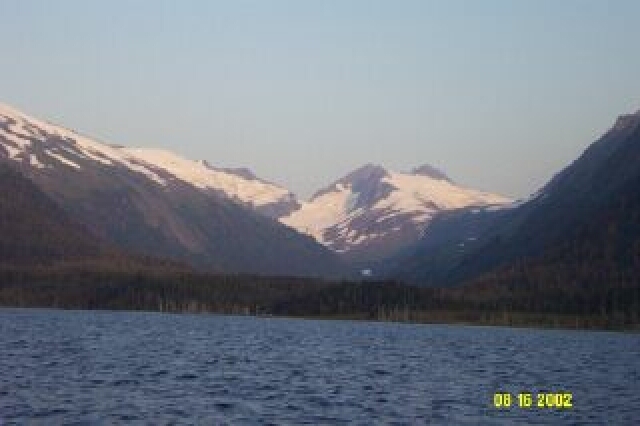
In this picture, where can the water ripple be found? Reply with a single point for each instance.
(145, 368)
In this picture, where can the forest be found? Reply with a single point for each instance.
(490, 302)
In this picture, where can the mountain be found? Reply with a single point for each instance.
(372, 212)
(37, 235)
(590, 205)
(35, 231)
(156, 203)
(43, 145)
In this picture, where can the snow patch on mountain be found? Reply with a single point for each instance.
(201, 175)
(418, 193)
(63, 160)
(324, 211)
(13, 152)
(374, 206)
(33, 160)
(22, 136)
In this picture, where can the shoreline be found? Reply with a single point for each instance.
(435, 319)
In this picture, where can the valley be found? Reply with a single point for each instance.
(86, 225)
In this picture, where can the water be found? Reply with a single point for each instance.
(144, 368)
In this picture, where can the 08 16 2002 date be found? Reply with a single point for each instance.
(558, 400)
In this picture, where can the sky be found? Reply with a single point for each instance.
(499, 94)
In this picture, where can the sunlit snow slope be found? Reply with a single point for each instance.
(45, 145)
(372, 212)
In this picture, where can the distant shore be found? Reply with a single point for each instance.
(185, 292)
(486, 319)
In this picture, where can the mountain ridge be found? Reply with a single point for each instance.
(22, 132)
(372, 212)
(153, 202)
(561, 210)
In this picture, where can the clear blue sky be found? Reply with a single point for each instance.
(499, 94)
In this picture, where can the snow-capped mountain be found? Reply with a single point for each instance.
(152, 200)
(43, 145)
(156, 203)
(373, 212)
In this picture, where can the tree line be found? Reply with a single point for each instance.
(492, 300)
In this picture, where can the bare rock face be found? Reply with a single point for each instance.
(430, 171)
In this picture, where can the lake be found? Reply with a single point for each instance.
(92, 367)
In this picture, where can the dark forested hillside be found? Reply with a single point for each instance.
(36, 233)
(598, 257)
(585, 217)
(33, 229)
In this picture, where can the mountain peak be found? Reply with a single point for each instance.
(627, 121)
(367, 172)
(430, 171)
(371, 212)
(363, 176)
